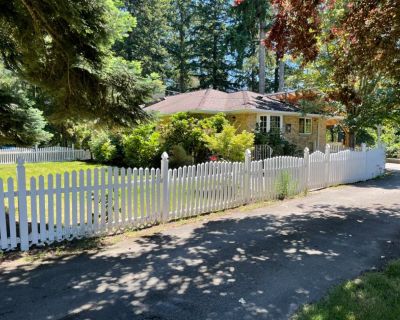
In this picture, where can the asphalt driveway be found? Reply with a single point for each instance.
(254, 264)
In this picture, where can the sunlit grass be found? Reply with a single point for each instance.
(372, 296)
(43, 168)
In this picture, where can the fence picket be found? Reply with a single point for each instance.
(50, 207)
(58, 208)
(42, 211)
(82, 223)
(74, 203)
(34, 224)
(96, 211)
(11, 213)
(3, 225)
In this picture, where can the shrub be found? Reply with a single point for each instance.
(141, 147)
(179, 157)
(183, 129)
(102, 148)
(187, 131)
(228, 144)
(279, 145)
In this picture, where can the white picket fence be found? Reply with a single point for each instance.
(108, 200)
(47, 154)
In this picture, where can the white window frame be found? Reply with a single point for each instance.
(269, 120)
(259, 122)
(305, 121)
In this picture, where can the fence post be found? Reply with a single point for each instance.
(73, 152)
(364, 154)
(22, 206)
(247, 175)
(165, 186)
(36, 153)
(306, 167)
(327, 164)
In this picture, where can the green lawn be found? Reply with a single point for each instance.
(43, 168)
(372, 296)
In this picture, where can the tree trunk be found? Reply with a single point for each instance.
(261, 59)
(352, 139)
(276, 73)
(281, 75)
(182, 84)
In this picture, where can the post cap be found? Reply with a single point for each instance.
(20, 161)
(363, 146)
(306, 150)
(327, 147)
(164, 156)
(247, 152)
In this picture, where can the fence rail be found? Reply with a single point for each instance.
(107, 200)
(47, 154)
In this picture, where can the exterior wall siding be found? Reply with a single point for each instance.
(243, 121)
(315, 140)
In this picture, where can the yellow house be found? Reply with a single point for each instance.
(246, 109)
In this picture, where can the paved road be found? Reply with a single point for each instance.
(257, 264)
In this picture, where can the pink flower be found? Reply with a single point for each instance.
(214, 158)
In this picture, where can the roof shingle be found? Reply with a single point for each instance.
(213, 101)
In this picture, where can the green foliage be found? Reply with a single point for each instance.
(367, 136)
(183, 129)
(279, 145)
(391, 138)
(181, 136)
(21, 122)
(285, 186)
(64, 48)
(102, 148)
(145, 43)
(229, 144)
(141, 146)
(180, 45)
(210, 44)
(374, 295)
(179, 157)
(214, 124)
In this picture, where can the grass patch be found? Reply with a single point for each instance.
(43, 168)
(372, 296)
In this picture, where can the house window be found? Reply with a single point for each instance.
(263, 123)
(275, 123)
(305, 125)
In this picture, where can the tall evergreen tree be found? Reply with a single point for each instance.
(252, 19)
(179, 45)
(146, 42)
(210, 60)
(64, 47)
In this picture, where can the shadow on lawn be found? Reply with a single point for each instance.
(260, 267)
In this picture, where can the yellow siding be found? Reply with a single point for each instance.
(315, 140)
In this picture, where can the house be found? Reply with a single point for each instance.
(246, 109)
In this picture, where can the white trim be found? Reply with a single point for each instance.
(251, 111)
(305, 120)
(258, 120)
